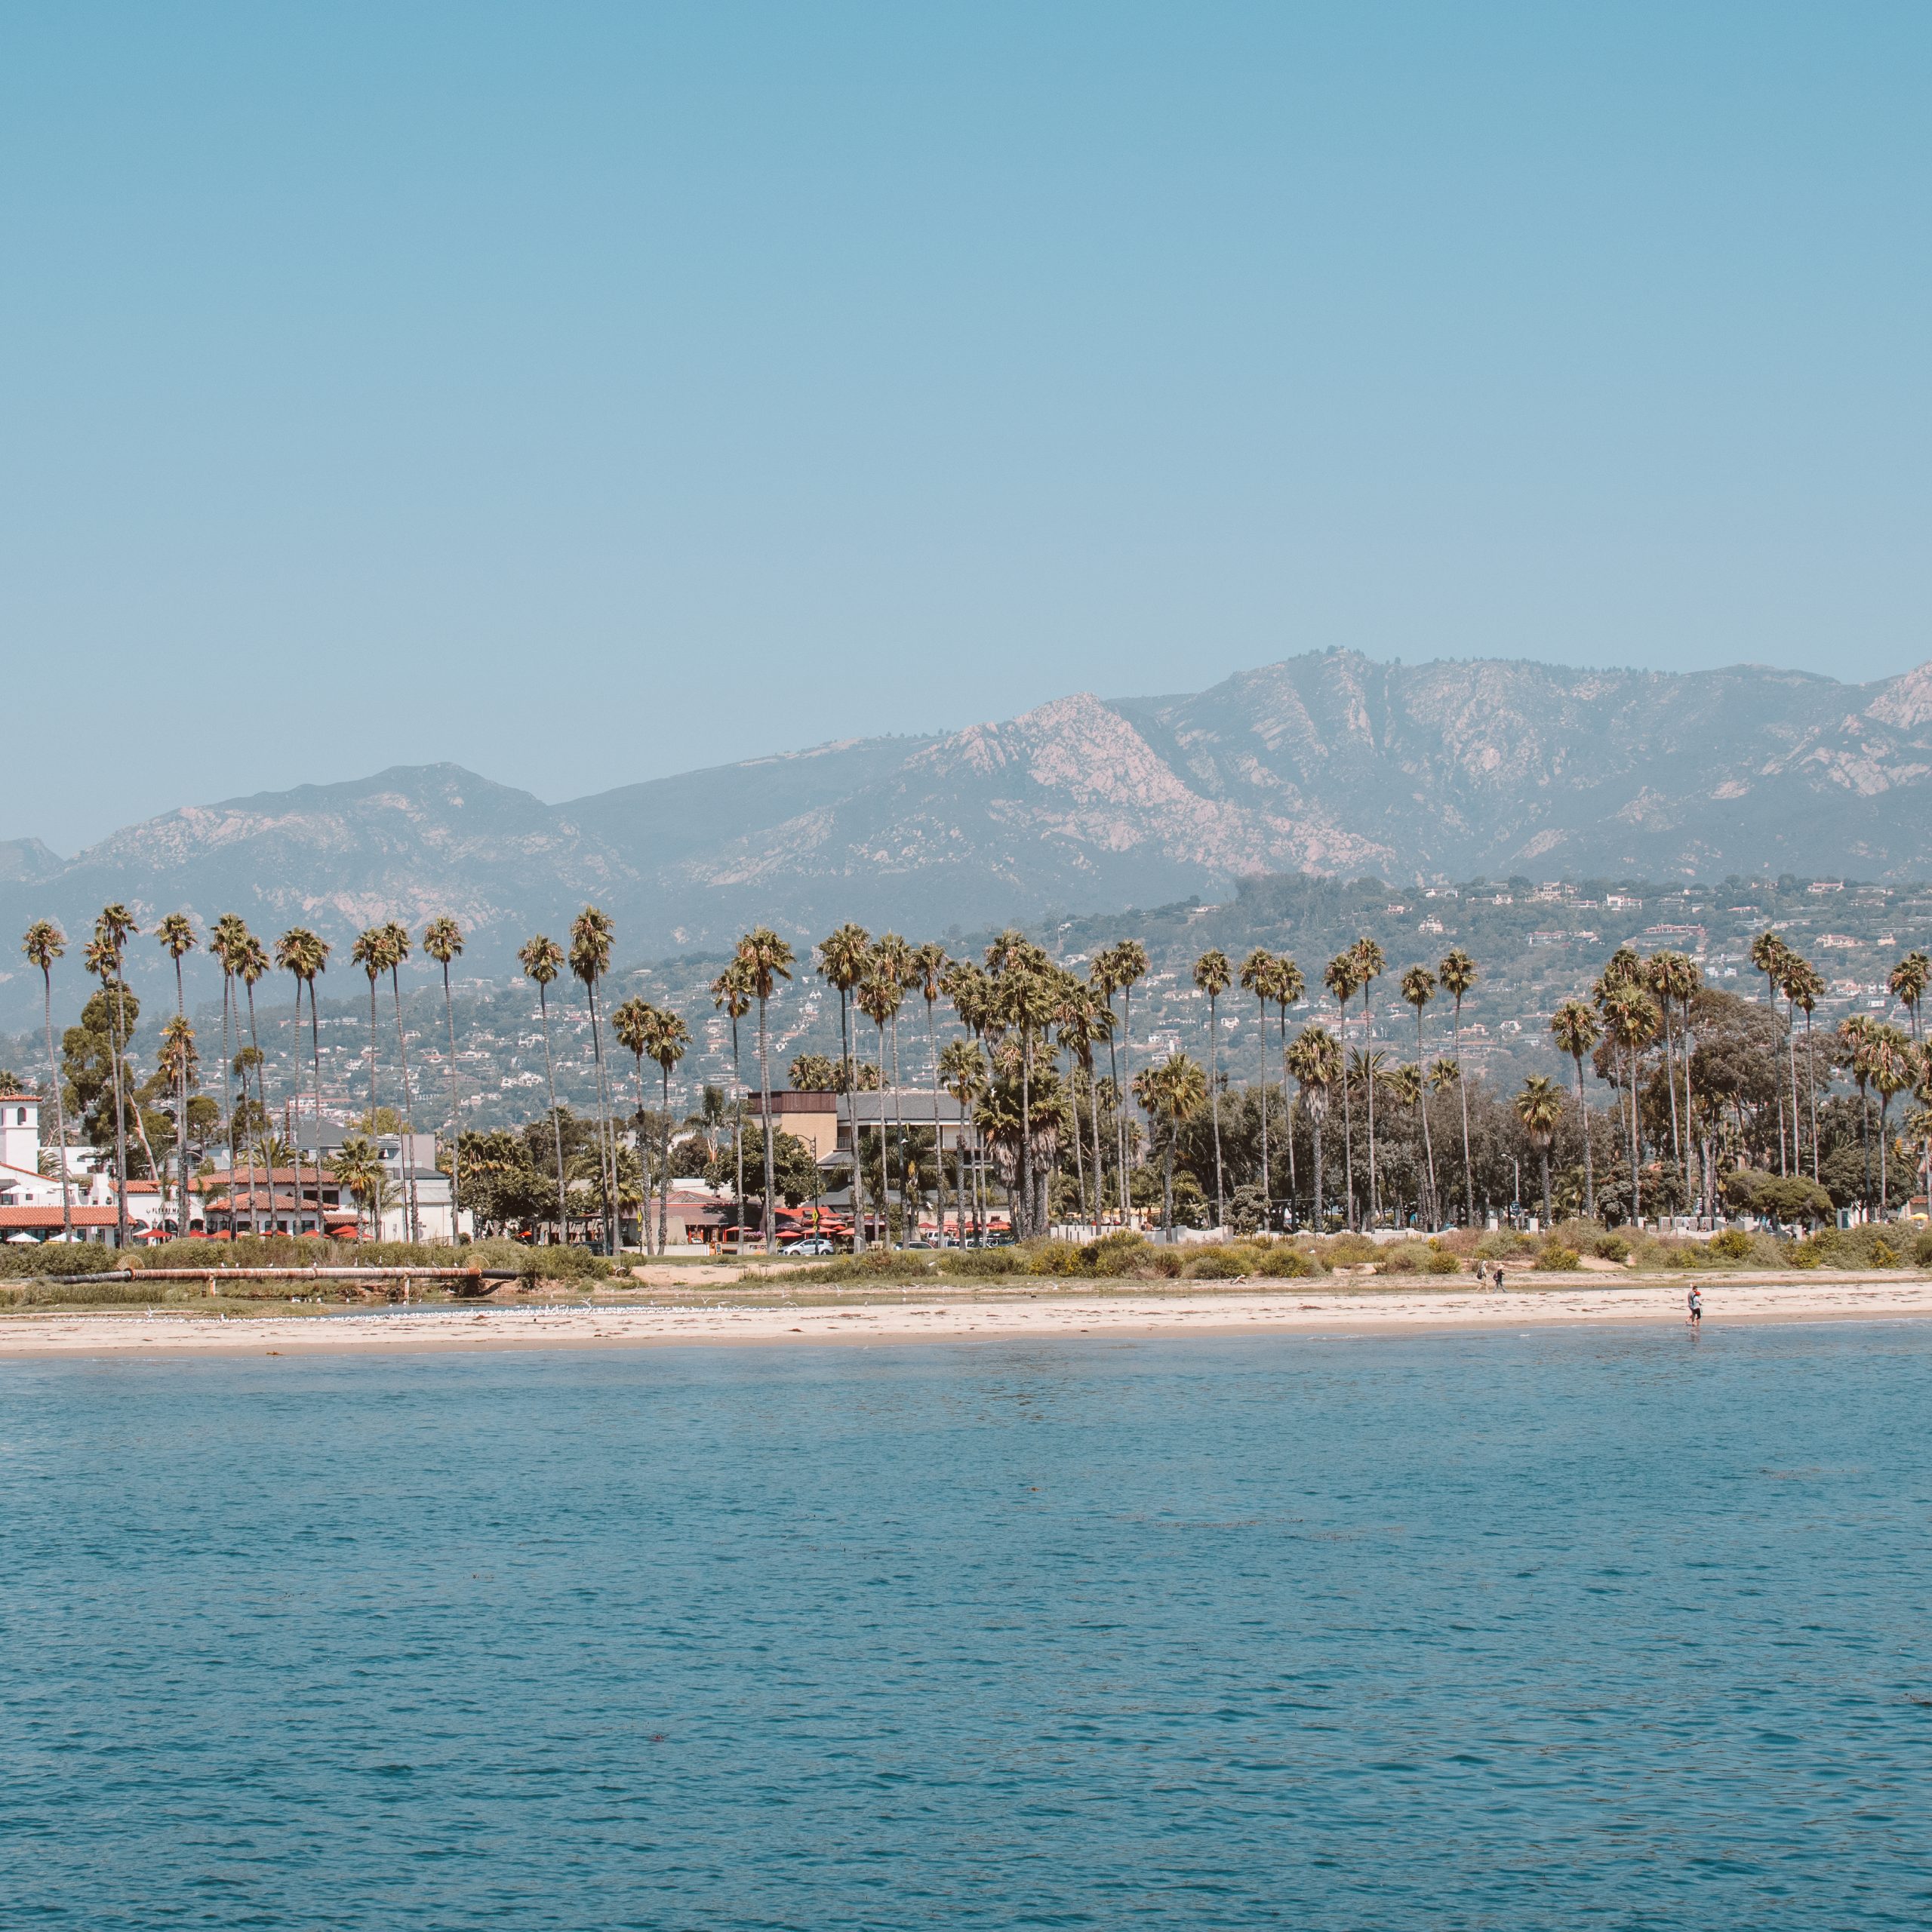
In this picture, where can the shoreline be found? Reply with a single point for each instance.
(1287, 1308)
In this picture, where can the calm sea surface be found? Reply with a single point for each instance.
(1620, 1628)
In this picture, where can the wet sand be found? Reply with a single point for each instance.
(1051, 1312)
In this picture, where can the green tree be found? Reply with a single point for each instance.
(1457, 974)
(1171, 1093)
(592, 934)
(1539, 1107)
(1213, 975)
(442, 940)
(542, 958)
(764, 959)
(731, 992)
(1370, 965)
(1342, 978)
(43, 944)
(175, 933)
(1575, 1027)
(1419, 989)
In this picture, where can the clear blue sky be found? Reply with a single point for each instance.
(584, 392)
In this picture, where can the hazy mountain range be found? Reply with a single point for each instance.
(1327, 763)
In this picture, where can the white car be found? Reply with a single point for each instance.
(812, 1244)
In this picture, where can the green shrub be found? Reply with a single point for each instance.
(57, 1257)
(980, 1263)
(1056, 1258)
(1441, 1260)
(1922, 1251)
(1118, 1253)
(1222, 1264)
(1349, 1250)
(1868, 1247)
(1733, 1244)
(1610, 1247)
(1164, 1262)
(1555, 1257)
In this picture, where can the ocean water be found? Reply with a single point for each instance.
(1622, 1628)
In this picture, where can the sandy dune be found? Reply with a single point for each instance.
(1287, 1308)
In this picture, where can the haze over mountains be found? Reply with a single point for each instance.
(1327, 763)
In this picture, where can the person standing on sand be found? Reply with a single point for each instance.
(1696, 1300)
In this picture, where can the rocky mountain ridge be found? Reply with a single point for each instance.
(1328, 763)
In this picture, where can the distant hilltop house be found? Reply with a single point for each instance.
(1839, 942)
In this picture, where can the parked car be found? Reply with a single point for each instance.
(811, 1244)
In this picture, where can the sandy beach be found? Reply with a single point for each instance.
(1287, 1308)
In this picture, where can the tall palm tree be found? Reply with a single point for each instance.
(177, 1060)
(1173, 1094)
(765, 959)
(732, 992)
(963, 1067)
(928, 964)
(112, 931)
(1630, 1018)
(1213, 975)
(877, 997)
(1805, 986)
(542, 959)
(1130, 968)
(591, 936)
(175, 933)
(1256, 977)
(1456, 973)
(359, 1168)
(251, 967)
(1660, 977)
(1315, 1058)
(1575, 1027)
(1082, 1021)
(1769, 955)
(1539, 1107)
(1285, 986)
(306, 955)
(225, 938)
(43, 944)
(1908, 981)
(844, 958)
(1370, 964)
(1419, 989)
(1342, 976)
(369, 950)
(1893, 1069)
(442, 940)
(667, 1036)
(630, 1027)
(396, 951)
(892, 959)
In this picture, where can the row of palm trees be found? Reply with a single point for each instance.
(1020, 1011)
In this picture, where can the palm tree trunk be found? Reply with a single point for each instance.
(262, 1100)
(1167, 1188)
(765, 1100)
(1368, 1061)
(374, 1127)
(1884, 1136)
(181, 1102)
(1122, 1106)
(59, 1108)
(120, 1031)
(1318, 1117)
(938, 1138)
(556, 1125)
(664, 1165)
(1214, 1101)
(1811, 1087)
(852, 1109)
(456, 1119)
(1287, 1101)
(1544, 1152)
(1267, 1191)
(1791, 1039)
(227, 1090)
(315, 1056)
(1589, 1173)
(410, 1205)
(738, 1124)
(606, 1149)
(1347, 1127)
(1463, 1093)
(1428, 1147)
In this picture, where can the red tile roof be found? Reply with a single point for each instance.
(31, 1218)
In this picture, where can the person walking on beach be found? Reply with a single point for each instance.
(1696, 1299)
